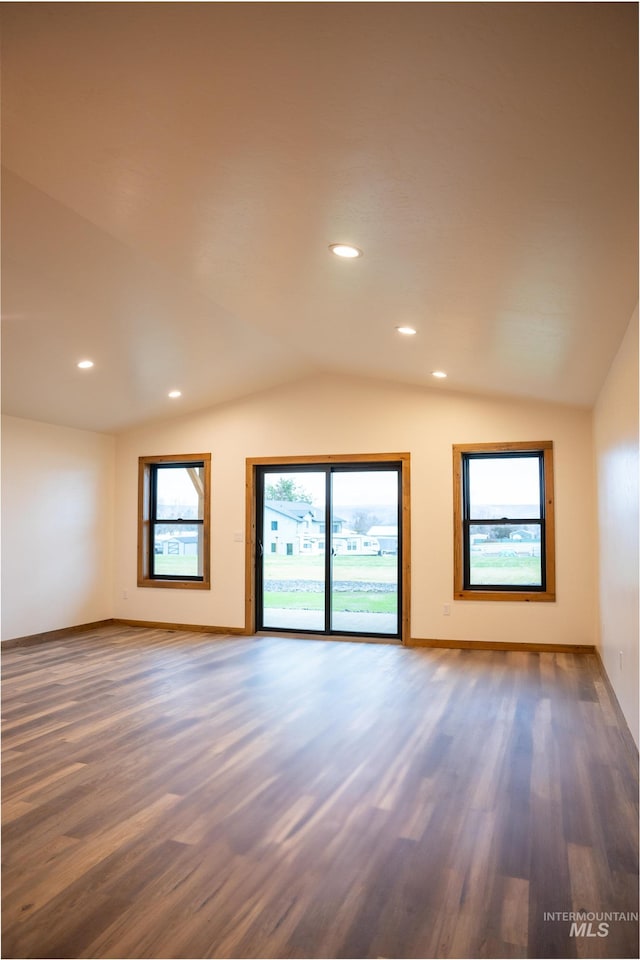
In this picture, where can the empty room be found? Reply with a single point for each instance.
(319, 480)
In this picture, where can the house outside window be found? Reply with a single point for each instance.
(504, 522)
(173, 521)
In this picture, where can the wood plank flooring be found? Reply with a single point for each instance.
(180, 795)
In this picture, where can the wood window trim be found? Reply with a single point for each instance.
(404, 459)
(144, 525)
(529, 596)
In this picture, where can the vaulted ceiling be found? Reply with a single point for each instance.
(173, 174)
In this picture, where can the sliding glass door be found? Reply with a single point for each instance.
(329, 548)
(365, 556)
(291, 549)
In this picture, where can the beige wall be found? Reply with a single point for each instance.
(330, 414)
(616, 450)
(57, 527)
(60, 487)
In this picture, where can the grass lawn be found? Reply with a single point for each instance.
(176, 565)
(342, 602)
(376, 569)
(484, 570)
(505, 570)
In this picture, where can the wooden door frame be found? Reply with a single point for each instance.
(404, 459)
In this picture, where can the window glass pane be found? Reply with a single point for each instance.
(506, 487)
(177, 550)
(180, 493)
(505, 555)
(293, 567)
(365, 565)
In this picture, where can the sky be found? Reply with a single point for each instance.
(175, 486)
(505, 481)
(510, 481)
(372, 488)
(362, 488)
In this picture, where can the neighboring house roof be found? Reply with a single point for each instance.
(182, 537)
(298, 510)
(294, 510)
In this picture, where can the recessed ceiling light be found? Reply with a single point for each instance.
(440, 374)
(85, 364)
(407, 331)
(345, 250)
(174, 393)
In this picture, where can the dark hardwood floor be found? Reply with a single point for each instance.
(174, 794)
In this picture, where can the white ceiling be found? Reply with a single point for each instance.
(174, 173)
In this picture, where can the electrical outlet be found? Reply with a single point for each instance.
(238, 538)
(125, 594)
(446, 610)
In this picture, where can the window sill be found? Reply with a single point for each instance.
(517, 595)
(176, 584)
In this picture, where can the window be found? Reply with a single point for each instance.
(274, 524)
(173, 521)
(503, 521)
